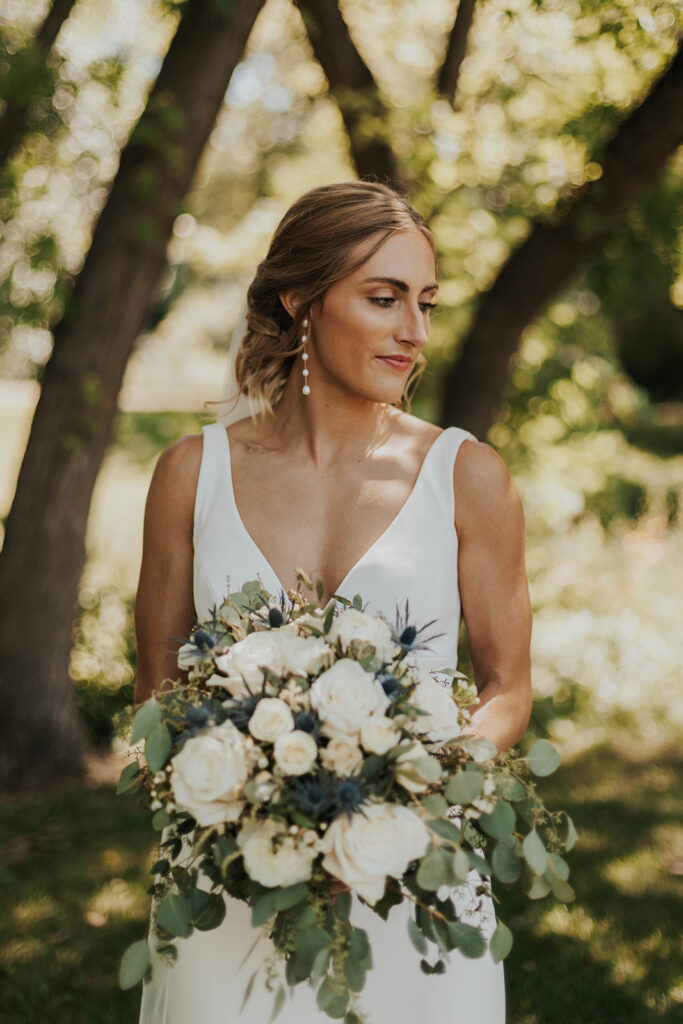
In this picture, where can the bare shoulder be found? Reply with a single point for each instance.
(174, 481)
(485, 491)
(414, 431)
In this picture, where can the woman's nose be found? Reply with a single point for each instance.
(414, 326)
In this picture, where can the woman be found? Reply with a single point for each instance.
(337, 479)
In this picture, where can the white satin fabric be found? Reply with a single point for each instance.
(416, 557)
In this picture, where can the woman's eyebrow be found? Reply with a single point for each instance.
(398, 283)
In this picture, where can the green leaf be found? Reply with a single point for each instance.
(559, 866)
(500, 823)
(543, 758)
(509, 787)
(158, 747)
(208, 909)
(416, 936)
(329, 616)
(357, 602)
(160, 819)
(359, 946)
(225, 850)
(129, 777)
(175, 915)
(428, 768)
(291, 895)
(342, 906)
(501, 942)
(306, 918)
(479, 864)
(539, 888)
(478, 748)
(467, 939)
(355, 975)
(248, 990)
(432, 872)
(146, 719)
(310, 941)
(438, 968)
(505, 863)
(465, 786)
(535, 853)
(435, 804)
(562, 890)
(134, 964)
(446, 829)
(160, 867)
(320, 962)
(461, 865)
(278, 1002)
(264, 908)
(571, 834)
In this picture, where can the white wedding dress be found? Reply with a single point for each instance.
(416, 557)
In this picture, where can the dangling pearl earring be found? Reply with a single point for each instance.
(304, 355)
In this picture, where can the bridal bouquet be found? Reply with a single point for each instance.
(308, 745)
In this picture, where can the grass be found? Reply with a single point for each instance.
(74, 875)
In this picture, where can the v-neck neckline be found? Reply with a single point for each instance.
(368, 550)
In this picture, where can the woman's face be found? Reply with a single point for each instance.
(369, 328)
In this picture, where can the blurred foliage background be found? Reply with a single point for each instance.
(591, 424)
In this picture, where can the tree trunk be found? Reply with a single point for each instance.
(353, 86)
(553, 252)
(13, 119)
(447, 82)
(43, 556)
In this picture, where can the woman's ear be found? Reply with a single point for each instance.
(291, 300)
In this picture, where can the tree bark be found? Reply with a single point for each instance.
(553, 252)
(447, 82)
(354, 88)
(13, 119)
(44, 551)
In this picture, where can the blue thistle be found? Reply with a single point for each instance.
(408, 637)
(349, 795)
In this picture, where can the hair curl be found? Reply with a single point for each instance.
(319, 241)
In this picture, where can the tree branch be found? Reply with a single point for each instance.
(447, 82)
(554, 251)
(354, 88)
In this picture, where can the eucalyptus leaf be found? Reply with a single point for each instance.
(478, 748)
(249, 989)
(158, 747)
(291, 895)
(320, 962)
(461, 865)
(416, 936)
(278, 1002)
(446, 829)
(467, 939)
(465, 786)
(559, 866)
(342, 906)
(543, 758)
(501, 942)
(535, 853)
(175, 915)
(160, 819)
(208, 909)
(499, 824)
(146, 719)
(359, 946)
(435, 804)
(129, 777)
(354, 974)
(539, 888)
(505, 863)
(570, 833)
(432, 872)
(134, 964)
(562, 890)
(264, 908)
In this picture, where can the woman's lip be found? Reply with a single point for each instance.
(395, 362)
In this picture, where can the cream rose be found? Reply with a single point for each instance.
(295, 752)
(378, 734)
(244, 662)
(363, 849)
(303, 656)
(442, 719)
(406, 770)
(271, 857)
(344, 696)
(342, 756)
(355, 627)
(209, 773)
(271, 718)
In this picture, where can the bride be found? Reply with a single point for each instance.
(328, 473)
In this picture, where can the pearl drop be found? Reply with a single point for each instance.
(304, 338)
(305, 373)
(304, 355)
(305, 390)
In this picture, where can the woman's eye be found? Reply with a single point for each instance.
(384, 301)
(427, 306)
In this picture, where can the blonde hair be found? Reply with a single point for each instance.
(318, 242)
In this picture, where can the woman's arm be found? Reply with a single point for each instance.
(494, 592)
(164, 605)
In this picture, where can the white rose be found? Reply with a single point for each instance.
(442, 719)
(378, 734)
(272, 863)
(363, 849)
(353, 625)
(209, 774)
(295, 752)
(244, 662)
(271, 718)
(342, 756)
(303, 655)
(344, 696)
(406, 771)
